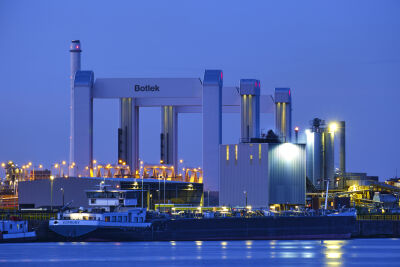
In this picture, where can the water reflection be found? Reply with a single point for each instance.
(249, 244)
(224, 244)
(211, 253)
(307, 255)
(333, 251)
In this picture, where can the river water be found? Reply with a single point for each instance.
(355, 252)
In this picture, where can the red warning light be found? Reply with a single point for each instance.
(296, 129)
(289, 92)
(221, 75)
(77, 47)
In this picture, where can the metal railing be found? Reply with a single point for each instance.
(28, 216)
(390, 217)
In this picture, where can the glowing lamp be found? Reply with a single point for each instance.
(333, 127)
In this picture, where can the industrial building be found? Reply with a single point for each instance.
(262, 174)
(261, 171)
(269, 170)
(207, 96)
(63, 191)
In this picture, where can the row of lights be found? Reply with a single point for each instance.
(107, 166)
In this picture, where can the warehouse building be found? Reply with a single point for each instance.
(262, 174)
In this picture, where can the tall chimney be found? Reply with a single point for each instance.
(75, 61)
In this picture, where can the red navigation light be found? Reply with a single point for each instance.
(77, 47)
(221, 75)
(289, 92)
(296, 129)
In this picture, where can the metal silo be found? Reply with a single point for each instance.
(329, 157)
(315, 157)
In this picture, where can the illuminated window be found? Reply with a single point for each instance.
(259, 151)
(227, 152)
(236, 152)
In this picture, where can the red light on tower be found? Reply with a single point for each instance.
(296, 133)
(221, 75)
(77, 47)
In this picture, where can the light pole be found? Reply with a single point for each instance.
(63, 163)
(141, 174)
(164, 194)
(151, 200)
(51, 191)
(62, 189)
(57, 166)
(159, 193)
(245, 193)
(142, 191)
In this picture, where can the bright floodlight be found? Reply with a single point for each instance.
(289, 151)
(333, 127)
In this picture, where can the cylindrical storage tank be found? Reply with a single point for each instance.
(314, 157)
(329, 168)
(310, 155)
(318, 171)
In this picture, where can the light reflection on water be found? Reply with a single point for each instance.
(211, 253)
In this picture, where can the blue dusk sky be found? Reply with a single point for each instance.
(341, 59)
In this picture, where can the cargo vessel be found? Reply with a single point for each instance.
(111, 220)
(15, 230)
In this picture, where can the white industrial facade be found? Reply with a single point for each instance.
(265, 174)
(244, 171)
(173, 96)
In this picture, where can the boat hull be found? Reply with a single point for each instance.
(258, 228)
(18, 237)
